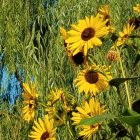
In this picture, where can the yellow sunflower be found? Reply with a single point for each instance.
(43, 130)
(86, 34)
(93, 79)
(63, 33)
(137, 8)
(104, 12)
(127, 30)
(55, 95)
(91, 109)
(29, 97)
(77, 59)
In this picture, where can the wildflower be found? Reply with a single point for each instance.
(127, 30)
(137, 8)
(135, 21)
(86, 34)
(105, 15)
(77, 59)
(113, 55)
(29, 97)
(43, 130)
(55, 95)
(91, 109)
(93, 79)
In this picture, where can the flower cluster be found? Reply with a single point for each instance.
(63, 107)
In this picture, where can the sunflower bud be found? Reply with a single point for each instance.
(113, 55)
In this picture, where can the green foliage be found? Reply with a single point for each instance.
(31, 40)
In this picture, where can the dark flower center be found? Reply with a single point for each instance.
(91, 77)
(31, 103)
(87, 34)
(78, 58)
(44, 136)
(125, 36)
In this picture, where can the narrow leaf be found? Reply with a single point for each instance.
(96, 119)
(131, 120)
(117, 81)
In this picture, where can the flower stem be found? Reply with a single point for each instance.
(126, 86)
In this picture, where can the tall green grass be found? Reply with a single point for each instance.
(30, 39)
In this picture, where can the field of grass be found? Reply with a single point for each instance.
(30, 40)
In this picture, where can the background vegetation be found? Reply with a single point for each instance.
(30, 40)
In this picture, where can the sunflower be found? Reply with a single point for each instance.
(55, 95)
(86, 34)
(93, 79)
(43, 130)
(113, 55)
(104, 13)
(127, 30)
(77, 59)
(135, 21)
(90, 109)
(29, 97)
(137, 8)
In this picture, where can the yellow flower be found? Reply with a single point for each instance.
(63, 33)
(43, 130)
(88, 131)
(86, 34)
(104, 12)
(127, 30)
(55, 95)
(77, 59)
(137, 8)
(51, 111)
(29, 97)
(93, 79)
(91, 109)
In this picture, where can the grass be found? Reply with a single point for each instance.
(30, 39)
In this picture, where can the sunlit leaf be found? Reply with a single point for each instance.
(96, 119)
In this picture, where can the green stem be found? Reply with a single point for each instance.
(126, 86)
(118, 91)
(59, 118)
(69, 129)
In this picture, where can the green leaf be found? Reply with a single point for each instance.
(117, 81)
(130, 112)
(96, 119)
(131, 120)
